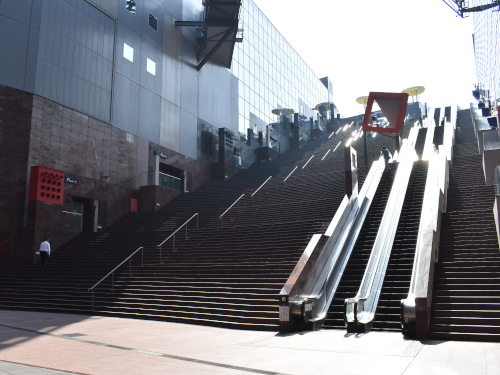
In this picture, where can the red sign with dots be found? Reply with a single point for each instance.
(46, 185)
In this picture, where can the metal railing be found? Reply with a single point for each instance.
(260, 187)
(294, 169)
(426, 250)
(171, 182)
(311, 287)
(305, 165)
(327, 152)
(221, 217)
(159, 247)
(496, 180)
(360, 310)
(112, 272)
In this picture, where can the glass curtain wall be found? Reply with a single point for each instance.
(271, 74)
(487, 49)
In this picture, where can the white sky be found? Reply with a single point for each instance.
(380, 45)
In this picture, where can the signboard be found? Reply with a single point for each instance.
(284, 309)
(161, 154)
(71, 180)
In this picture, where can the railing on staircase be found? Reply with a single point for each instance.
(289, 174)
(260, 187)
(307, 162)
(496, 205)
(159, 247)
(112, 272)
(221, 217)
(229, 209)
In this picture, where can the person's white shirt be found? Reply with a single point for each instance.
(45, 246)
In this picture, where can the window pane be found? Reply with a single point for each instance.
(128, 52)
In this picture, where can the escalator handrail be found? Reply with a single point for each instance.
(426, 252)
(343, 244)
(310, 286)
(375, 271)
(425, 238)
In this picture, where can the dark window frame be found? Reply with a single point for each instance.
(155, 23)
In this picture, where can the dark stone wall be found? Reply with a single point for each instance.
(152, 195)
(110, 166)
(197, 173)
(15, 124)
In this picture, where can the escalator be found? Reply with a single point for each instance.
(420, 142)
(399, 270)
(356, 265)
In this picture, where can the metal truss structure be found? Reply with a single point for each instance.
(461, 7)
(218, 31)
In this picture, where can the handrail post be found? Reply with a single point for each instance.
(112, 274)
(221, 217)
(177, 230)
(260, 187)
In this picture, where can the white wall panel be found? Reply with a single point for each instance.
(205, 100)
(125, 104)
(171, 82)
(149, 115)
(189, 91)
(188, 134)
(169, 127)
(220, 109)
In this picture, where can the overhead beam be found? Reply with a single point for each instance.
(207, 24)
(461, 7)
(216, 47)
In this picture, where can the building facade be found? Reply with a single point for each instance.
(487, 49)
(104, 110)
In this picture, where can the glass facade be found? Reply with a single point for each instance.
(271, 74)
(487, 49)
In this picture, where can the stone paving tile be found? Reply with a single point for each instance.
(102, 345)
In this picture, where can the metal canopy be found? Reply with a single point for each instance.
(461, 7)
(219, 30)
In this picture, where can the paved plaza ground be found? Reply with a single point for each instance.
(37, 343)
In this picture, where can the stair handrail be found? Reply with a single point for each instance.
(221, 217)
(159, 247)
(327, 152)
(112, 272)
(289, 174)
(307, 162)
(360, 310)
(260, 187)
